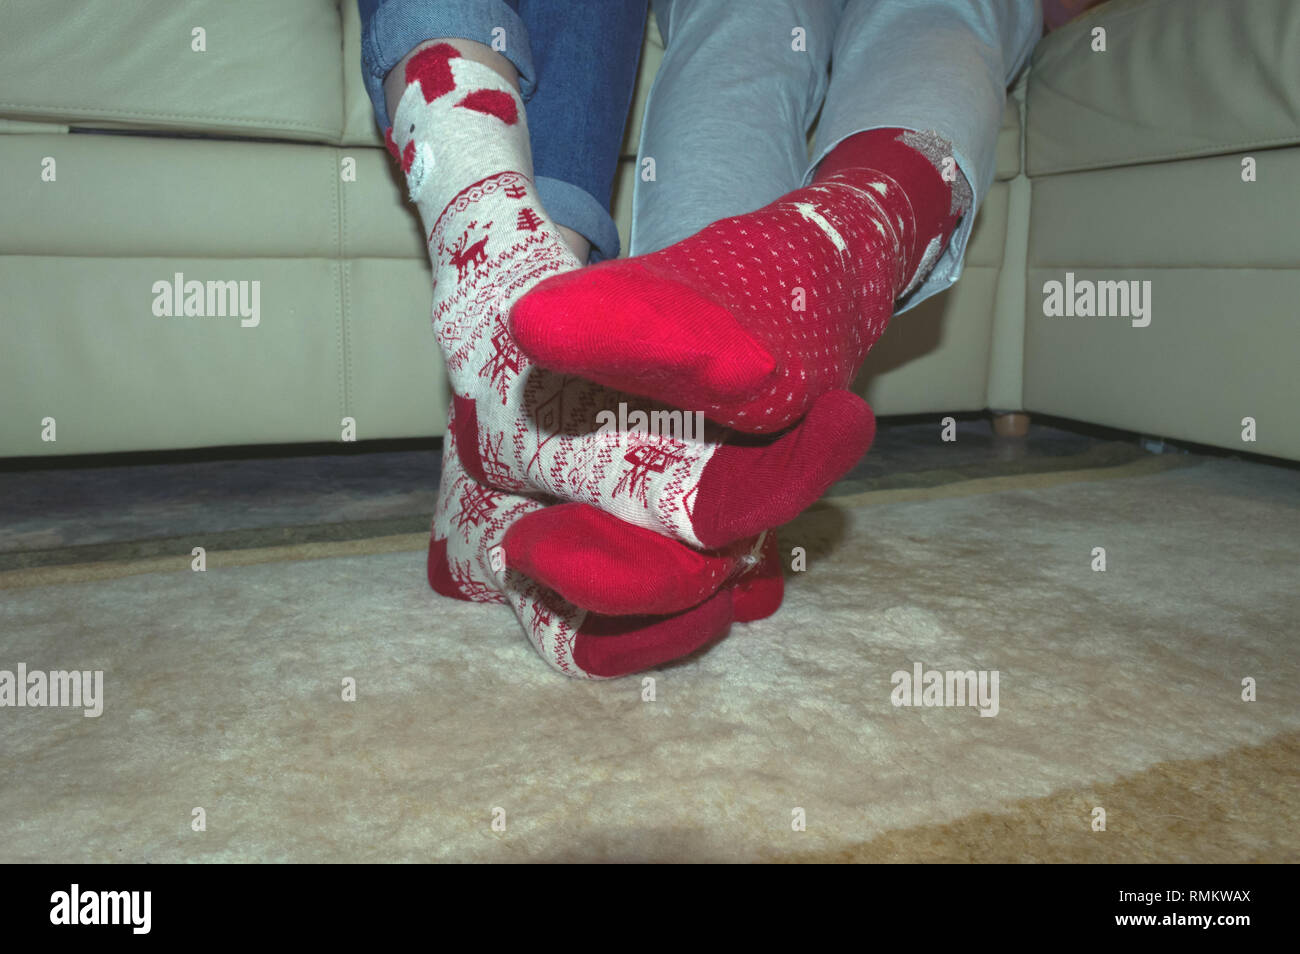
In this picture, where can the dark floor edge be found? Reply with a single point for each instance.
(1100, 457)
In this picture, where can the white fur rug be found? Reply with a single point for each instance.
(223, 692)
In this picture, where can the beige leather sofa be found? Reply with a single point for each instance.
(134, 148)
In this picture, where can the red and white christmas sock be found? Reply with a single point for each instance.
(677, 606)
(460, 136)
(610, 567)
(754, 317)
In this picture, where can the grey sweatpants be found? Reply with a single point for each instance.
(742, 82)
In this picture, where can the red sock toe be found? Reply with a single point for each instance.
(438, 571)
(612, 646)
(648, 328)
(746, 490)
(598, 562)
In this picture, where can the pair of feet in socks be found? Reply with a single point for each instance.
(759, 321)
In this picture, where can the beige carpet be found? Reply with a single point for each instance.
(1119, 690)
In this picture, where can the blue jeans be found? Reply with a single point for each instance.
(577, 64)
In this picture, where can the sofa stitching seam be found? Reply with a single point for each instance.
(1210, 151)
(93, 111)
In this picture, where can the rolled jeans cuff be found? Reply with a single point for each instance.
(577, 209)
(397, 27)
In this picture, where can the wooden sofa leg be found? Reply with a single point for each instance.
(1011, 424)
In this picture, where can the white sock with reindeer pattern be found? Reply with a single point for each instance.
(460, 136)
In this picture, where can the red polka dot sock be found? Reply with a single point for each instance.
(755, 316)
(491, 546)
